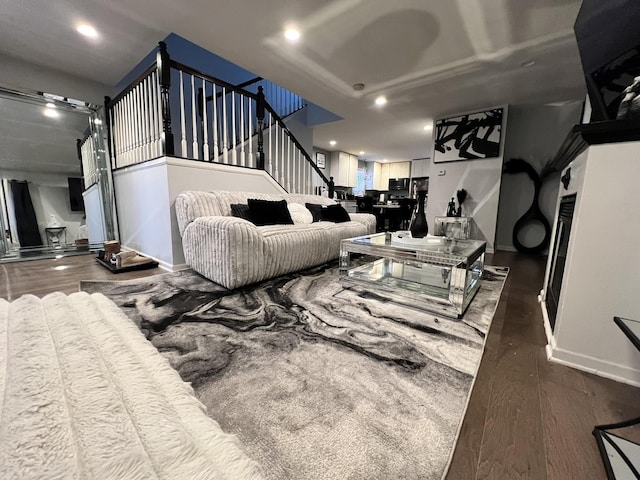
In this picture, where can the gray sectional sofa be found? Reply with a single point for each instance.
(234, 252)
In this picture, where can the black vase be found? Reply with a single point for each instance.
(419, 227)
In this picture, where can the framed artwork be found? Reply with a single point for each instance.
(320, 159)
(468, 137)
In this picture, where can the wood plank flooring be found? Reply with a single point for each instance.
(40, 277)
(527, 418)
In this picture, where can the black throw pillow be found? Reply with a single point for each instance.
(316, 211)
(267, 212)
(241, 210)
(335, 213)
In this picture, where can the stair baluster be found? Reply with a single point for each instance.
(139, 123)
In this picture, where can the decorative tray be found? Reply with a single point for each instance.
(130, 268)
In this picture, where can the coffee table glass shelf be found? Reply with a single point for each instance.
(437, 274)
(452, 227)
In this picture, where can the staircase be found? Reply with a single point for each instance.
(238, 125)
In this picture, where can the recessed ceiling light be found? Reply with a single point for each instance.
(292, 34)
(332, 142)
(384, 160)
(87, 30)
(51, 113)
(528, 63)
(381, 100)
(361, 152)
(428, 127)
(358, 86)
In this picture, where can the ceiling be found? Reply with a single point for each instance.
(50, 145)
(428, 57)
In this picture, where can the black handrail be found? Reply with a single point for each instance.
(163, 65)
(249, 82)
(295, 141)
(239, 86)
(256, 97)
(210, 78)
(134, 83)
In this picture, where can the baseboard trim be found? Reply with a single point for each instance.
(179, 267)
(585, 363)
(546, 323)
(168, 267)
(172, 268)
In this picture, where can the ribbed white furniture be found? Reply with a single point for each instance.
(234, 252)
(83, 395)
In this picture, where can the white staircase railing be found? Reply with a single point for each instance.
(219, 123)
(88, 160)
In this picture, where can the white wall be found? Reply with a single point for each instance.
(145, 200)
(534, 134)
(481, 179)
(50, 196)
(142, 206)
(316, 181)
(51, 200)
(602, 273)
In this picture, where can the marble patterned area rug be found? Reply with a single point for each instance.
(318, 381)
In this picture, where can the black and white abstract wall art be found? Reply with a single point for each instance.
(467, 137)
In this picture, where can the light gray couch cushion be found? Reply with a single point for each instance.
(194, 204)
(234, 252)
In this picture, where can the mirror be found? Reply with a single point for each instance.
(631, 328)
(51, 202)
(620, 451)
(621, 457)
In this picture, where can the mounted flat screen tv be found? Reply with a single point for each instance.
(76, 187)
(609, 43)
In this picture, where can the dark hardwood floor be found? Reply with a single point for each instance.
(40, 277)
(527, 418)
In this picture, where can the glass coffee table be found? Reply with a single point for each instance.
(437, 274)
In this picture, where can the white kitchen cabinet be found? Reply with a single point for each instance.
(377, 177)
(344, 169)
(378, 174)
(399, 170)
(405, 169)
(383, 181)
(420, 167)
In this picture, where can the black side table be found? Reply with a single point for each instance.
(621, 457)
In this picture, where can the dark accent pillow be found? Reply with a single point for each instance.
(335, 213)
(241, 210)
(316, 211)
(268, 212)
